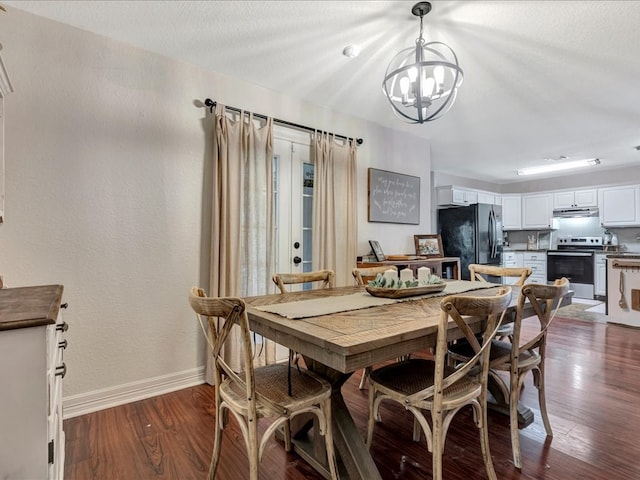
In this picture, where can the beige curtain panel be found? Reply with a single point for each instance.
(335, 223)
(242, 199)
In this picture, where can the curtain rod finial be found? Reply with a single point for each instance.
(210, 103)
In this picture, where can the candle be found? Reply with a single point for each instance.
(406, 275)
(423, 274)
(390, 275)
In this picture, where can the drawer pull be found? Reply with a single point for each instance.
(61, 370)
(63, 344)
(62, 327)
(64, 305)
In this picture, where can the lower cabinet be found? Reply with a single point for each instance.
(600, 276)
(511, 260)
(537, 261)
(31, 349)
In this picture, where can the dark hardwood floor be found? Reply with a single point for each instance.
(593, 383)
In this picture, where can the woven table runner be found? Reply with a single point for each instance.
(356, 301)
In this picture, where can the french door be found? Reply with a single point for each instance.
(293, 201)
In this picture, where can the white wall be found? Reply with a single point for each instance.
(107, 155)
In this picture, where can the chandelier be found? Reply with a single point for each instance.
(422, 82)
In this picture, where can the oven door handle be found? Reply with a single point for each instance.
(570, 254)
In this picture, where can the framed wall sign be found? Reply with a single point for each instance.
(393, 197)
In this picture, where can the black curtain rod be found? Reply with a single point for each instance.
(212, 104)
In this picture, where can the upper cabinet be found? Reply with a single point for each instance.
(449, 195)
(489, 198)
(512, 212)
(619, 206)
(576, 199)
(456, 196)
(536, 211)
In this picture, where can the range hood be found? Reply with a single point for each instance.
(576, 212)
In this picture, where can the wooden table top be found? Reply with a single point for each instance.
(25, 307)
(348, 341)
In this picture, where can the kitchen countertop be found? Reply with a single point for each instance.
(543, 250)
(632, 255)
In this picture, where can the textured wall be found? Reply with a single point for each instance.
(106, 163)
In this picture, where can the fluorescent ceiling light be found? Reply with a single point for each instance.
(555, 167)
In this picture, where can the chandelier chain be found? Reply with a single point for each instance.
(420, 39)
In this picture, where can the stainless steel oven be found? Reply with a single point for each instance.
(575, 259)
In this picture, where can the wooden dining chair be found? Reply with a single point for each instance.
(483, 272)
(327, 277)
(362, 276)
(521, 356)
(422, 384)
(259, 392)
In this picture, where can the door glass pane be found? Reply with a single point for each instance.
(307, 217)
(276, 204)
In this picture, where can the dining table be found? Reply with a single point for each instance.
(341, 330)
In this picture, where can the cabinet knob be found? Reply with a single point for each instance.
(62, 327)
(61, 370)
(64, 305)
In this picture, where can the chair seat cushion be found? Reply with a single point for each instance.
(499, 350)
(417, 374)
(272, 382)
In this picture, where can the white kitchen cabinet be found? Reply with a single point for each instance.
(600, 283)
(511, 260)
(576, 199)
(512, 212)
(31, 351)
(537, 261)
(536, 211)
(488, 198)
(450, 195)
(619, 206)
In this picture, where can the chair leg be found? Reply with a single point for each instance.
(217, 443)
(438, 433)
(417, 430)
(254, 449)
(287, 436)
(514, 398)
(371, 422)
(484, 440)
(365, 376)
(538, 380)
(328, 438)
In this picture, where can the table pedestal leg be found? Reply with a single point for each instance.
(354, 459)
(499, 403)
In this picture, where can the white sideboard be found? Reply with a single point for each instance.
(31, 352)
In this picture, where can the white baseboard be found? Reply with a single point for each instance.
(84, 403)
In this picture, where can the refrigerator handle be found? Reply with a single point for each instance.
(490, 229)
(494, 236)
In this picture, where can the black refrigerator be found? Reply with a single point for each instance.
(473, 233)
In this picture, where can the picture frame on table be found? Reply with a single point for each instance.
(377, 251)
(429, 245)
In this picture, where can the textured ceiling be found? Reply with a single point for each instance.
(543, 79)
